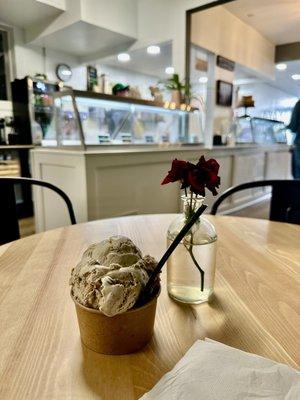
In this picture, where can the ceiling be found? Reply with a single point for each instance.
(282, 80)
(84, 39)
(23, 13)
(143, 62)
(277, 20)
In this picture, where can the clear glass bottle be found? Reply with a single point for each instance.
(191, 267)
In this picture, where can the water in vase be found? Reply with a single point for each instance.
(183, 277)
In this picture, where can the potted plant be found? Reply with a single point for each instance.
(180, 90)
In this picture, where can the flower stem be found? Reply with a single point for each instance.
(191, 203)
(190, 250)
(150, 284)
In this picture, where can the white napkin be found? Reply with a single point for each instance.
(214, 371)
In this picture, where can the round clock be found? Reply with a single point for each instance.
(63, 72)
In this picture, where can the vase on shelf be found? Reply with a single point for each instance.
(191, 267)
(176, 97)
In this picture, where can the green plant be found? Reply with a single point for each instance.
(174, 83)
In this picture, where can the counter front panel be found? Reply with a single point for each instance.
(103, 184)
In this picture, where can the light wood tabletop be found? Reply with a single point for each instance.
(255, 308)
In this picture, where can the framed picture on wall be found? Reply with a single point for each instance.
(92, 77)
(224, 93)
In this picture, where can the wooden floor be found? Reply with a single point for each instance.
(260, 210)
(26, 226)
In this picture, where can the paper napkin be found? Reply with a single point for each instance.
(214, 371)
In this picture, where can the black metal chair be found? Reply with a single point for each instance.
(9, 226)
(285, 199)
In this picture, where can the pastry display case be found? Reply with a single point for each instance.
(260, 130)
(267, 131)
(88, 119)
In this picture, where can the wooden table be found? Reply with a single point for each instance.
(256, 308)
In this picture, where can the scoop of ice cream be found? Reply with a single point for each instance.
(111, 275)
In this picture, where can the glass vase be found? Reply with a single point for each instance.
(191, 267)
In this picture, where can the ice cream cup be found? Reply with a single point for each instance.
(122, 334)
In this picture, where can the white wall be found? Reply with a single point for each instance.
(130, 78)
(115, 75)
(157, 21)
(30, 60)
(221, 32)
(50, 25)
(164, 20)
(5, 109)
(60, 4)
(115, 15)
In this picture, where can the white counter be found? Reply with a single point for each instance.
(112, 181)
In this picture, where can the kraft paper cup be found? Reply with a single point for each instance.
(122, 334)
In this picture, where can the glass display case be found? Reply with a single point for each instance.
(86, 119)
(243, 130)
(260, 130)
(268, 131)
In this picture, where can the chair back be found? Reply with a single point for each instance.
(9, 226)
(285, 198)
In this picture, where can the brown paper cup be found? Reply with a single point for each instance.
(122, 334)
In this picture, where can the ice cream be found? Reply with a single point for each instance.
(111, 275)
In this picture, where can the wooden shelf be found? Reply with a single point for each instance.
(127, 100)
(16, 147)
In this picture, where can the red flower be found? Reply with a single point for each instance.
(179, 172)
(207, 174)
(197, 177)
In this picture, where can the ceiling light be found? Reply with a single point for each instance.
(153, 49)
(281, 67)
(123, 57)
(296, 77)
(203, 79)
(169, 70)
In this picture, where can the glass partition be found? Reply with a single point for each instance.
(64, 129)
(259, 131)
(268, 131)
(83, 118)
(243, 130)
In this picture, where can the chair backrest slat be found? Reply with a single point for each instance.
(285, 202)
(285, 198)
(9, 227)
